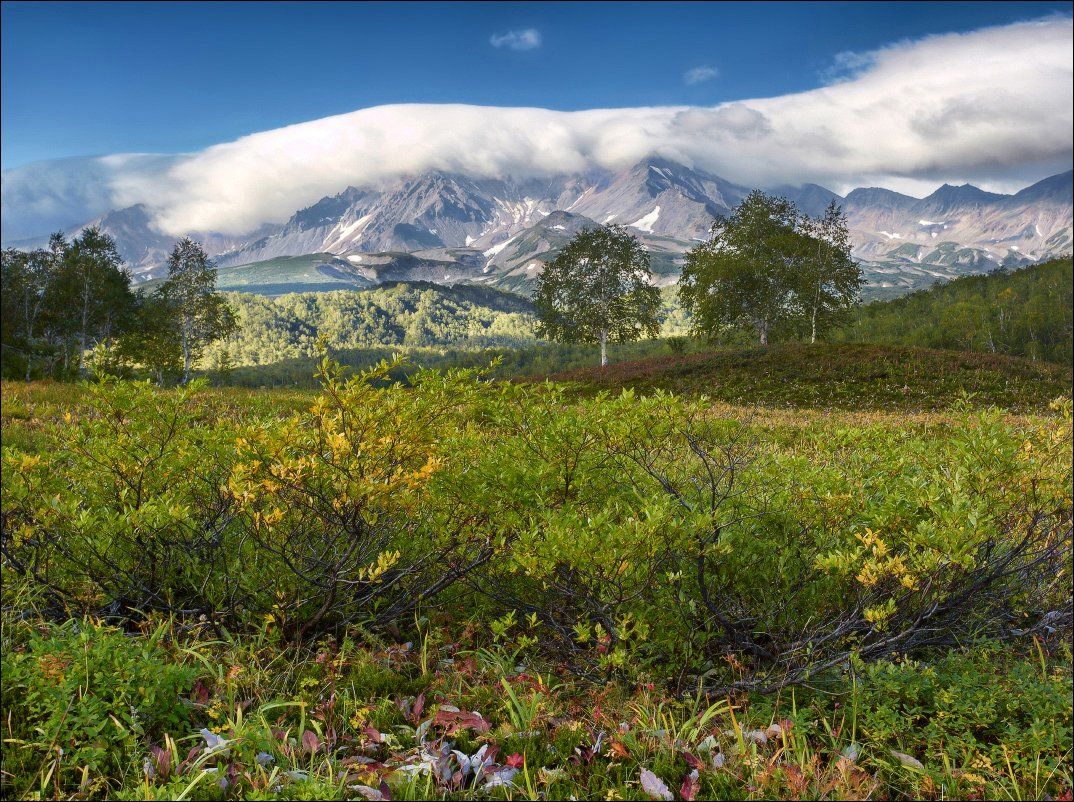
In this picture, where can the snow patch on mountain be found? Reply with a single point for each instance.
(647, 222)
(495, 249)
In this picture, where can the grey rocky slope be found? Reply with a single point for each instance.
(453, 228)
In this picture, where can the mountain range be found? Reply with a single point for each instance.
(449, 228)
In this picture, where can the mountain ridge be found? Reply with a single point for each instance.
(451, 227)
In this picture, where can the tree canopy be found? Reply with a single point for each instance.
(189, 303)
(62, 300)
(1026, 312)
(772, 269)
(598, 288)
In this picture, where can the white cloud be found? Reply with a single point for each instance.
(991, 106)
(699, 75)
(526, 39)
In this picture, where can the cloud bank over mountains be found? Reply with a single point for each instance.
(992, 106)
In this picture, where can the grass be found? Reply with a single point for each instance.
(347, 720)
(842, 377)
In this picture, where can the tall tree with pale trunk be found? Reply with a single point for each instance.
(598, 289)
(829, 279)
(200, 314)
(101, 300)
(745, 274)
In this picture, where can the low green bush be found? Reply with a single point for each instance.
(79, 698)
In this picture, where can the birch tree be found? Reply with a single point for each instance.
(26, 278)
(99, 290)
(828, 280)
(199, 314)
(745, 274)
(598, 289)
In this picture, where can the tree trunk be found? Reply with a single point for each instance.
(29, 333)
(82, 334)
(186, 355)
(813, 336)
(603, 348)
(763, 331)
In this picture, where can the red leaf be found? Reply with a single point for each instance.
(456, 720)
(690, 786)
(310, 742)
(691, 761)
(419, 705)
(162, 760)
(515, 761)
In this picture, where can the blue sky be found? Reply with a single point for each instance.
(85, 78)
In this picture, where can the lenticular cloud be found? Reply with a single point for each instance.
(992, 106)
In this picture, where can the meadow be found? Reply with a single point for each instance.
(805, 572)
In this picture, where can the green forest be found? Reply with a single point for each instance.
(1021, 313)
(408, 315)
(1026, 312)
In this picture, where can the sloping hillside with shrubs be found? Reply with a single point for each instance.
(1026, 312)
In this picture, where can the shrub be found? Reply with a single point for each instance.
(349, 507)
(677, 344)
(983, 710)
(345, 513)
(125, 513)
(646, 530)
(622, 532)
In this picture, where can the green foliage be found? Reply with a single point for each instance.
(194, 313)
(677, 345)
(849, 376)
(354, 502)
(152, 342)
(502, 363)
(350, 506)
(245, 719)
(770, 269)
(127, 515)
(371, 583)
(79, 698)
(1023, 313)
(828, 280)
(598, 288)
(971, 710)
(402, 315)
(61, 301)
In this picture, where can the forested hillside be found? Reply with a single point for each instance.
(1022, 313)
(411, 315)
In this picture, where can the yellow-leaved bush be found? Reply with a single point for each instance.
(352, 503)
